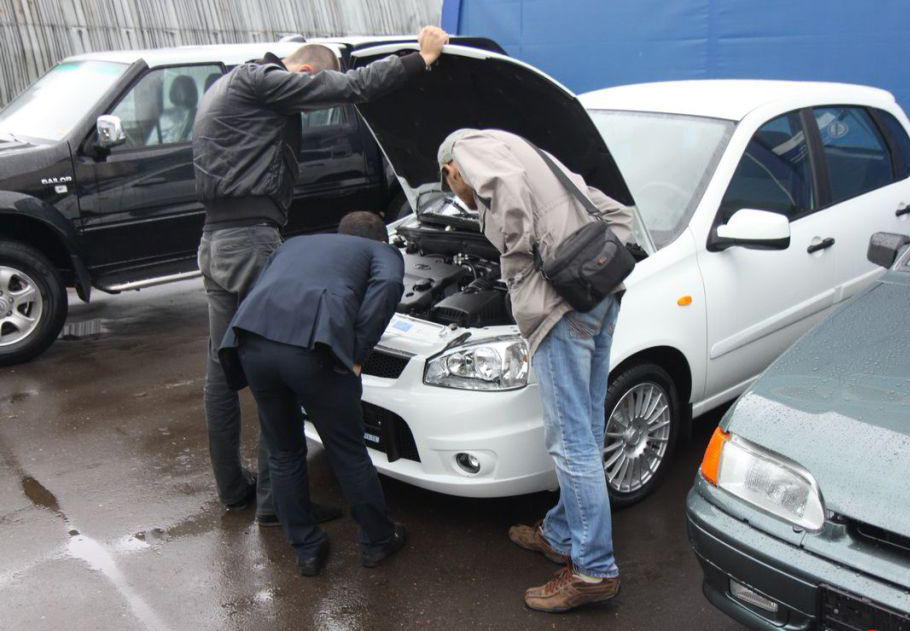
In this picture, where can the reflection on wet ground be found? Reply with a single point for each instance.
(108, 518)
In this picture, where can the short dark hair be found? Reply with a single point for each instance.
(316, 55)
(364, 224)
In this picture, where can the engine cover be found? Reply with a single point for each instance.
(424, 278)
(484, 307)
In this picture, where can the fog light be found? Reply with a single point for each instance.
(746, 595)
(469, 463)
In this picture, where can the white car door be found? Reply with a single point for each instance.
(868, 186)
(759, 301)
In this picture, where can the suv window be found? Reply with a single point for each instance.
(160, 108)
(774, 173)
(900, 142)
(323, 118)
(855, 152)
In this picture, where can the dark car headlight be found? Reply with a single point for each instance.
(764, 479)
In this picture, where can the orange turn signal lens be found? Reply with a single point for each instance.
(685, 301)
(710, 465)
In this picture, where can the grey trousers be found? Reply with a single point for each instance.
(230, 261)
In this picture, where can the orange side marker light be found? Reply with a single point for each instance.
(710, 465)
(685, 301)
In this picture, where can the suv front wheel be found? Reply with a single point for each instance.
(642, 421)
(33, 303)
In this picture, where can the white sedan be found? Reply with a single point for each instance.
(755, 200)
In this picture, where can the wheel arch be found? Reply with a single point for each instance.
(40, 225)
(677, 366)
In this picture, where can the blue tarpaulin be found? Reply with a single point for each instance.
(590, 44)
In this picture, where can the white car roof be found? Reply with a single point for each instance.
(229, 54)
(728, 99)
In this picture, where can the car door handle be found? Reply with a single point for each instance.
(824, 244)
(900, 212)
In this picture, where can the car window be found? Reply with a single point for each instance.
(855, 152)
(900, 142)
(160, 108)
(322, 118)
(775, 172)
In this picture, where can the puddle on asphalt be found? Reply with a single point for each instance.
(96, 555)
(86, 329)
(39, 495)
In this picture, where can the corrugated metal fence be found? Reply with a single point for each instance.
(35, 34)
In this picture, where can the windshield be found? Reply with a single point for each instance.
(50, 108)
(666, 160)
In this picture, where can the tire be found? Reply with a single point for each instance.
(398, 208)
(646, 393)
(23, 268)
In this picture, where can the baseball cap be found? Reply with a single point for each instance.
(446, 152)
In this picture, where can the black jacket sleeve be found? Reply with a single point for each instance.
(379, 301)
(292, 92)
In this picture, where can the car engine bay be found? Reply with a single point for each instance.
(452, 273)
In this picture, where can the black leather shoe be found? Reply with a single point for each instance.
(311, 566)
(324, 512)
(244, 502)
(380, 552)
(320, 513)
(267, 521)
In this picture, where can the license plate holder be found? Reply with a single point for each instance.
(841, 611)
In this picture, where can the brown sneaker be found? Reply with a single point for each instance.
(566, 591)
(531, 538)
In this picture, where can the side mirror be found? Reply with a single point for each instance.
(884, 248)
(753, 229)
(110, 131)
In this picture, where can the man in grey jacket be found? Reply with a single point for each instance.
(245, 140)
(521, 202)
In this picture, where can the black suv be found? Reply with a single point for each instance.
(97, 188)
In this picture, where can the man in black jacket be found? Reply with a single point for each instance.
(299, 338)
(245, 140)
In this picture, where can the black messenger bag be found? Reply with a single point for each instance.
(591, 262)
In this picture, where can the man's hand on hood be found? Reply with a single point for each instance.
(432, 39)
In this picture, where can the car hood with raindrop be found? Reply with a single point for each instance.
(838, 403)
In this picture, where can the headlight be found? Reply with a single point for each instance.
(763, 479)
(498, 364)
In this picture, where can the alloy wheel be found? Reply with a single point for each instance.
(21, 305)
(637, 436)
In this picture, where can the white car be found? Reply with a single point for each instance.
(757, 200)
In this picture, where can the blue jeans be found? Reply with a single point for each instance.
(572, 365)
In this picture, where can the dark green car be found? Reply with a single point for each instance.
(800, 514)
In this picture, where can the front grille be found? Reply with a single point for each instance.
(387, 432)
(843, 612)
(880, 537)
(383, 364)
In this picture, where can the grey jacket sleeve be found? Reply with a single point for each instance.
(380, 300)
(292, 92)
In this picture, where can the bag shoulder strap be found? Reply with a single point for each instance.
(569, 185)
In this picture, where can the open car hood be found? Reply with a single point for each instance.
(470, 87)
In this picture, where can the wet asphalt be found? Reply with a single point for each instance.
(108, 516)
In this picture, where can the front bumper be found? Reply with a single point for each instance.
(729, 548)
(503, 430)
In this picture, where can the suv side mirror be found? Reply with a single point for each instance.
(110, 131)
(884, 248)
(753, 229)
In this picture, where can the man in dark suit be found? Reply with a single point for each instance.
(301, 335)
